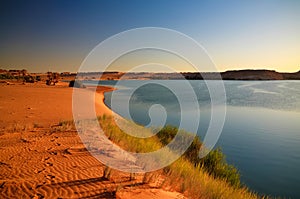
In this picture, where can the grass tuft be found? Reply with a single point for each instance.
(210, 177)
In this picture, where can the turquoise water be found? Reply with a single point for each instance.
(261, 134)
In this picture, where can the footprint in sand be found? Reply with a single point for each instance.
(50, 177)
(46, 158)
(53, 152)
(5, 164)
(49, 164)
(39, 171)
(66, 151)
(2, 184)
(38, 196)
(49, 149)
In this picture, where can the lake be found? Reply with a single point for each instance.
(261, 134)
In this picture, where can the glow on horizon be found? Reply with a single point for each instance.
(237, 35)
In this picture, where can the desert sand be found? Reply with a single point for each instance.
(40, 159)
(40, 104)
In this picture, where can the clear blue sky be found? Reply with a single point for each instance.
(58, 34)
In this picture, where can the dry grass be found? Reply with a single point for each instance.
(196, 183)
(182, 175)
(17, 127)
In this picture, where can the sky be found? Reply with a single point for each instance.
(57, 35)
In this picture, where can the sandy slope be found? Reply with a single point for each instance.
(40, 104)
(52, 162)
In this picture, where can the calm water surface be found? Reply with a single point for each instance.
(261, 135)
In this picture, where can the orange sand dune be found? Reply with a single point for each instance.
(44, 162)
(41, 105)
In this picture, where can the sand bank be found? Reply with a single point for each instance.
(48, 161)
(41, 105)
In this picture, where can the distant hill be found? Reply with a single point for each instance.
(252, 75)
(245, 75)
(292, 75)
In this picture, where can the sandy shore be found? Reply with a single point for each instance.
(39, 160)
(40, 104)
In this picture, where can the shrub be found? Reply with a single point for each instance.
(6, 76)
(214, 163)
(76, 84)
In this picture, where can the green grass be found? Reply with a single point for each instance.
(210, 177)
(214, 163)
(126, 141)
